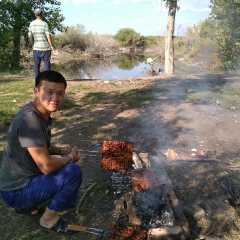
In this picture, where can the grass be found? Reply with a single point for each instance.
(15, 92)
(131, 98)
(225, 95)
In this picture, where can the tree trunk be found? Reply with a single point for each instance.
(169, 38)
(15, 61)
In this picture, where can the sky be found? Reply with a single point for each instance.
(146, 17)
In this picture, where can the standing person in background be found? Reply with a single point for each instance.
(41, 41)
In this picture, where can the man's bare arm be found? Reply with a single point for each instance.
(50, 42)
(31, 40)
(48, 164)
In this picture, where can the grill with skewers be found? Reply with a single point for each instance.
(148, 201)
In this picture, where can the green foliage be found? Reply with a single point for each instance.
(15, 17)
(59, 40)
(168, 2)
(129, 37)
(151, 40)
(227, 31)
(171, 2)
(206, 28)
(14, 94)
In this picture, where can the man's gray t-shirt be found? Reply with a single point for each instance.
(28, 129)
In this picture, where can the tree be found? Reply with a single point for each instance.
(169, 37)
(227, 31)
(15, 17)
(206, 29)
(128, 37)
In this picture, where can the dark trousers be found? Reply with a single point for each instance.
(60, 187)
(39, 56)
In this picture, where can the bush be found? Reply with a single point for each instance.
(60, 40)
(101, 44)
(128, 37)
(151, 40)
(75, 35)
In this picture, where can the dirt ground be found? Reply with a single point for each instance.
(182, 116)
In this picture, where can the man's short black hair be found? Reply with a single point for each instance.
(51, 76)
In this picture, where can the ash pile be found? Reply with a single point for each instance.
(146, 206)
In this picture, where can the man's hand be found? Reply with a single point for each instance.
(54, 150)
(74, 152)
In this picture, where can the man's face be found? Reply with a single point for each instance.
(49, 97)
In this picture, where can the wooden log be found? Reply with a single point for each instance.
(132, 211)
(145, 159)
(163, 179)
(137, 160)
(159, 233)
(194, 211)
(178, 214)
(119, 205)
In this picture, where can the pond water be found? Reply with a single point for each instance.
(122, 66)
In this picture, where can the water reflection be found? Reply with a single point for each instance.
(124, 66)
(128, 62)
(117, 67)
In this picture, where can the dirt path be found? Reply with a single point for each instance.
(183, 118)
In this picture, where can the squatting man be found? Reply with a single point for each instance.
(30, 175)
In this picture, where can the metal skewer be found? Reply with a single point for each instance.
(95, 231)
(89, 153)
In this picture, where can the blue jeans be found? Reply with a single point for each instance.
(60, 187)
(39, 56)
